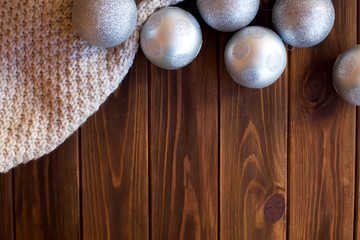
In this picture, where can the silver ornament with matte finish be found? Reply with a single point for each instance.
(171, 38)
(255, 57)
(303, 23)
(346, 75)
(228, 15)
(104, 23)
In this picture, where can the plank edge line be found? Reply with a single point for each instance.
(357, 124)
(219, 130)
(288, 160)
(80, 191)
(12, 178)
(356, 185)
(149, 80)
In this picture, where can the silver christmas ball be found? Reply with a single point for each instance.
(255, 57)
(346, 75)
(303, 23)
(171, 38)
(104, 23)
(228, 15)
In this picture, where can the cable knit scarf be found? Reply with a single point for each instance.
(51, 81)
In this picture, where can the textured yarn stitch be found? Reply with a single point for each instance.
(51, 81)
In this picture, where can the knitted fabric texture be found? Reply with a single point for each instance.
(51, 81)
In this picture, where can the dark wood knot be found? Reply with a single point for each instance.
(318, 92)
(315, 88)
(274, 208)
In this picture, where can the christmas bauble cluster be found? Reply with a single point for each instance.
(255, 56)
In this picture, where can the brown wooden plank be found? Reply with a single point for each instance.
(322, 138)
(357, 173)
(47, 195)
(253, 155)
(357, 179)
(114, 146)
(184, 148)
(6, 207)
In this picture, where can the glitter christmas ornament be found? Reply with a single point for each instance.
(171, 38)
(255, 57)
(104, 23)
(303, 23)
(228, 15)
(346, 75)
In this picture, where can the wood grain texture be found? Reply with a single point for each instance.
(114, 149)
(47, 202)
(357, 173)
(253, 155)
(322, 138)
(184, 148)
(6, 207)
(357, 181)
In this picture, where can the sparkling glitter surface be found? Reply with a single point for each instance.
(273, 61)
(250, 75)
(256, 33)
(241, 50)
(153, 23)
(104, 23)
(303, 23)
(174, 42)
(347, 66)
(228, 15)
(153, 47)
(182, 27)
(180, 60)
(355, 95)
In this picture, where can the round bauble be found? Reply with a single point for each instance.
(228, 15)
(104, 23)
(303, 23)
(171, 38)
(346, 75)
(255, 57)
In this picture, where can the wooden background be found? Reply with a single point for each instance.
(189, 154)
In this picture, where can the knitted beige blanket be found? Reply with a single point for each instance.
(51, 81)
